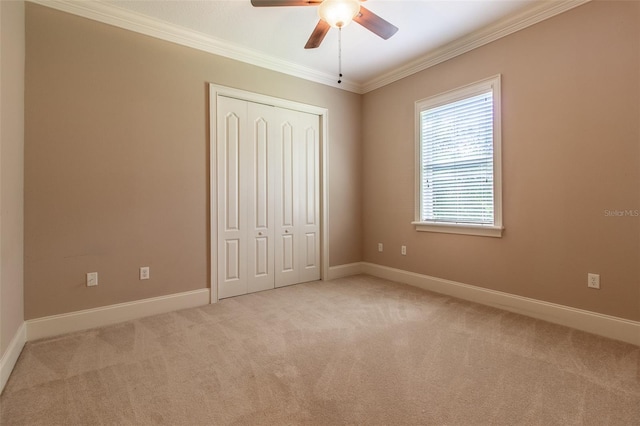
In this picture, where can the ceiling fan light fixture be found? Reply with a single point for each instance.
(338, 13)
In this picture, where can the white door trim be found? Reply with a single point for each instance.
(214, 92)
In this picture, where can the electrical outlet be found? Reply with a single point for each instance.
(144, 273)
(403, 250)
(593, 281)
(380, 247)
(92, 279)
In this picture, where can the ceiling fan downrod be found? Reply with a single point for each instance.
(339, 55)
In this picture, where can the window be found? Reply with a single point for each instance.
(458, 175)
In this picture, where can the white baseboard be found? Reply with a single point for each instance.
(347, 270)
(10, 357)
(591, 322)
(98, 317)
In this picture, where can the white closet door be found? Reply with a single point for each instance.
(268, 197)
(231, 186)
(309, 198)
(259, 166)
(287, 192)
(297, 248)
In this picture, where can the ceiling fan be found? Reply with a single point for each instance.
(336, 14)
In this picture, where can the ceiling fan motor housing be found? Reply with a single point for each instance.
(338, 13)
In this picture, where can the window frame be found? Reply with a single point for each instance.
(457, 94)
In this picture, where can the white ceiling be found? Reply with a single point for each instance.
(429, 31)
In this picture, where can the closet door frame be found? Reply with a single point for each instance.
(323, 115)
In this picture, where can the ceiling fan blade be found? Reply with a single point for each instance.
(276, 3)
(375, 24)
(317, 35)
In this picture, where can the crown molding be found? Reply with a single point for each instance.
(119, 17)
(122, 18)
(537, 13)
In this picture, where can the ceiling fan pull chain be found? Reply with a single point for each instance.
(339, 55)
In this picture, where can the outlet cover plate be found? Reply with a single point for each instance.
(593, 280)
(92, 279)
(144, 273)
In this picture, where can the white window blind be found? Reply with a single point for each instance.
(457, 158)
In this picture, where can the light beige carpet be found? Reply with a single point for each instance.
(352, 351)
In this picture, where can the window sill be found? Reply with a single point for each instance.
(456, 228)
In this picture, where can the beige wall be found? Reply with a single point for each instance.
(11, 169)
(116, 161)
(571, 150)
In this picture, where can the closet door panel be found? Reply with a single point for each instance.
(309, 198)
(287, 171)
(260, 197)
(310, 250)
(232, 260)
(310, 175)
(287, 209)
(231, 116)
